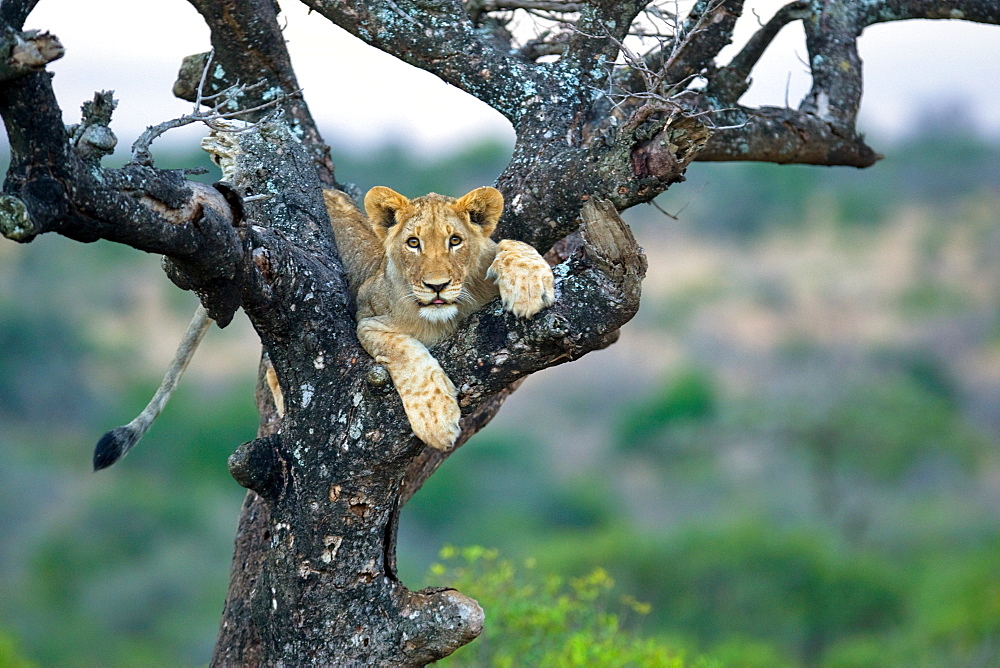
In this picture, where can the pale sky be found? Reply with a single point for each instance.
(135, 49)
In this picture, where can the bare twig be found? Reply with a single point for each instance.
(674, 216)
(222, 99)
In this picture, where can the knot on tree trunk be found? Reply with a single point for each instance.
(436, 621)
(26, 52)
(255, 465)
(670, 150)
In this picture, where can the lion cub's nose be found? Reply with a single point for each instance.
(437, 287)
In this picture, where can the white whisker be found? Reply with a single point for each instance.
(465, 297)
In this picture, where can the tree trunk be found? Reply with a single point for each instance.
(314, 571)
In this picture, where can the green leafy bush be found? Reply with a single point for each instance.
(887, 427)
(688, 398)
(10, 657)
(535, 619)
(751, 592)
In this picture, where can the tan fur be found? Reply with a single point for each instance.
(272, 382)
(417, 268)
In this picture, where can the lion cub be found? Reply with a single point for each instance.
(417, 268)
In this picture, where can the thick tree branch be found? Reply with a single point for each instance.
(831, 40)
(977, 11)
(548, 179)
(14, 12)
(476, 8)
(593, 46)
(785, 136)
(708, 29)
(730, 82)
(439, 37)
(249, 55)
(822, 131)
(55, 185)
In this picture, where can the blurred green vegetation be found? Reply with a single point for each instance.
(540, 619)
(780, 499)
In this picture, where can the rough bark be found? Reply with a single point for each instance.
(248, 48)
(314, 567)
(27, 52)
(327, 483)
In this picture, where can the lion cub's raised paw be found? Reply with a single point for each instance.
(523, 277)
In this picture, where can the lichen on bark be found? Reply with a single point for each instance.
(329, 479)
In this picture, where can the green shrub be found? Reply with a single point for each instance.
(10, 656)
(688, 398)
(534, 619)
(886, 428)
(749, 589)
(957, 608)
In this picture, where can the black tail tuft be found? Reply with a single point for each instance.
(113, 446)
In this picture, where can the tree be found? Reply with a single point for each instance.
(610, 103)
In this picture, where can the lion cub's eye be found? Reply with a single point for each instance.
(455, 240)
(413, 242)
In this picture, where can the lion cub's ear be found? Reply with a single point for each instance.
(484, 206)
(381, 205)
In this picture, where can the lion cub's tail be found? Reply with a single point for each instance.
(116, 443)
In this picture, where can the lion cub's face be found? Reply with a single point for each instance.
(433, 243)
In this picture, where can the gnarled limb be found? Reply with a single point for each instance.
(708, 30)
(55, 184)
(440, 38)
(594, 44)
(786, 136)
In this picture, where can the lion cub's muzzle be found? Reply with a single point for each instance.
(439, 291)
(436, 299)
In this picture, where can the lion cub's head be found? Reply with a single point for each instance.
(438, 248)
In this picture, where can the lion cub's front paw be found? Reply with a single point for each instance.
(429, 399)
(523, 277)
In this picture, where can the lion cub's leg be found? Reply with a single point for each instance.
(428, 395)
(272, 383)
(523, 277)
